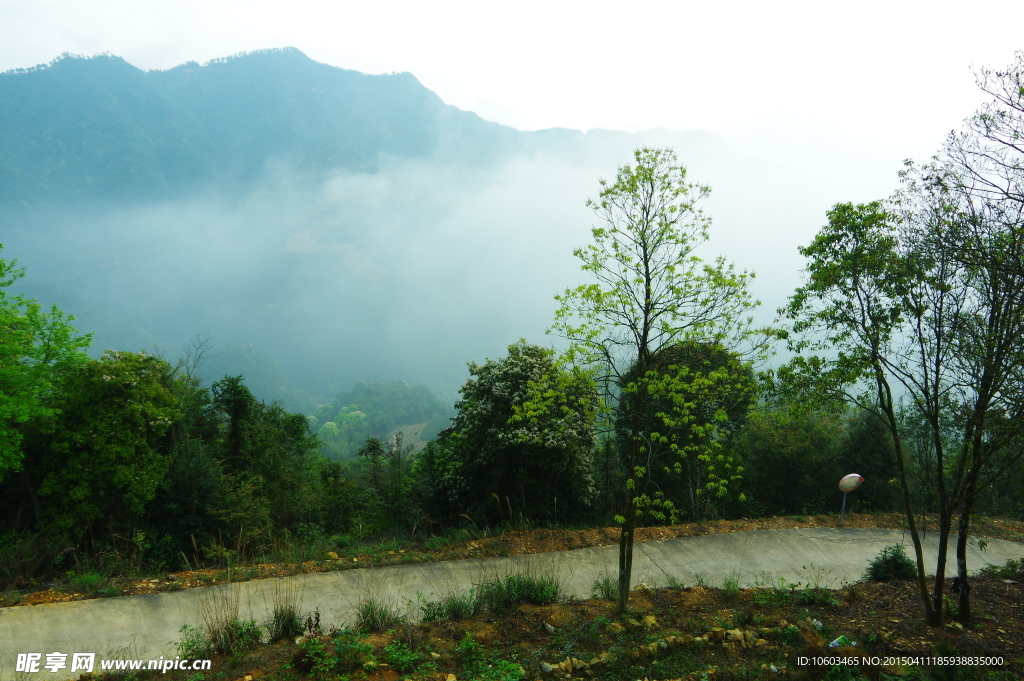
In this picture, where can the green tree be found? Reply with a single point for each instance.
(924, 297)
(386, 476)
(36, 349)
(978, 180)
(790, 458)
(682, 474)
(651, 292)
(854, 307)
(108, 454)
(524, 433)
(867, 449)
(270, 463)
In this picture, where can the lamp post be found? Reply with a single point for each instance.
(847, 484)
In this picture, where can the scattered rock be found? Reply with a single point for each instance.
(331, 555)
(548, 628)
(810, 634)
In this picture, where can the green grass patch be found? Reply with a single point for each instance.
(90, 582)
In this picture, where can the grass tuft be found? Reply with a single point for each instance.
(501, 593)
(375, 614)
(605, 588)
(456, 607)
(285, 619)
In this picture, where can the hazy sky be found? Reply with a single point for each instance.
(895, 75)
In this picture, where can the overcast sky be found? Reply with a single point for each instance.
(892, 75)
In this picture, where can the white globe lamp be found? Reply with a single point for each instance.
(847, 484)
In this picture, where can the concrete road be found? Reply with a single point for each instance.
(146, 627)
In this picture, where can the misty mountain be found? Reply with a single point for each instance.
(100, 128)
(325, 226)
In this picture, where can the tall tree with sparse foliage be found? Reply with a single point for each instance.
(651, 292)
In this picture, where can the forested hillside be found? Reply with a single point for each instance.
(378, 410)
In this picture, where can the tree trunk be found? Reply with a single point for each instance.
(963, 614)
(970, 492)
(628, 530)
(945, 525)
(626, 558)
(932, 616)
(945, 511)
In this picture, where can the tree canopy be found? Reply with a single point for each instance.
(521, 441)
(36, 349)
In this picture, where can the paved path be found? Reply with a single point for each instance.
(146, 626)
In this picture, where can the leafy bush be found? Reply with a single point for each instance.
(892, 564)
(326, 658)
(399, 656)
(194, 643)
(816, 596)
(1013, 569)
(469, 650)
(771, 597)
(790, 636)
(502, 670)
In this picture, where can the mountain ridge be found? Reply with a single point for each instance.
(100, 128)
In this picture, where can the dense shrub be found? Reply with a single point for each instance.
(892, 564)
